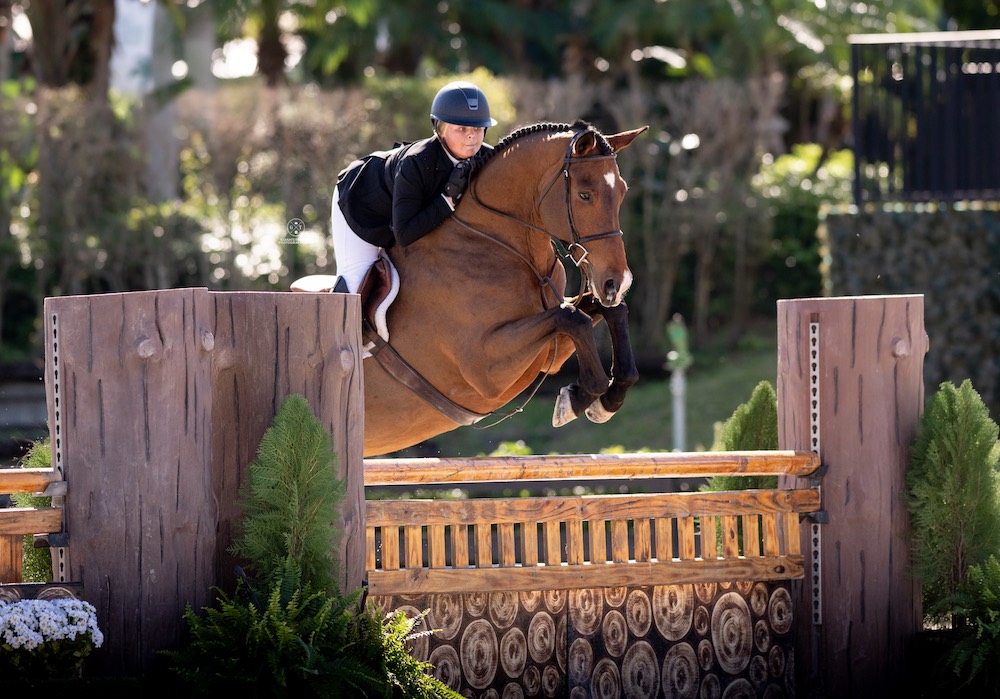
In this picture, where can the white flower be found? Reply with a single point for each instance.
(28, 623)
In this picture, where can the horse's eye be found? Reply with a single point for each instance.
(585, 196)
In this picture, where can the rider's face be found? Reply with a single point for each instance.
(463, 141)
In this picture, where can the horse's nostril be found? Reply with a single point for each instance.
(610, 288)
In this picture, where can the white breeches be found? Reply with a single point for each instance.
(353, 255)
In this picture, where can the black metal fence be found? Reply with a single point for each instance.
(926, 117)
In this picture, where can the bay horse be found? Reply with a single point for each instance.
(482, 314)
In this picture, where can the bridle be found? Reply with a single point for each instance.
(576, 251)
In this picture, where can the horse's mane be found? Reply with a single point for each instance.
(508, 140)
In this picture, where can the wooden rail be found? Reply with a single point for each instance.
(380, 472)
(16, 522)
(564, 542)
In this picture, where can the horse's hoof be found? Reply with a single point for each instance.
(598, 413)
(563, 413)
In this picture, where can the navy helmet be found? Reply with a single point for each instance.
(463, 104)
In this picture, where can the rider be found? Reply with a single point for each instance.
(401, 195)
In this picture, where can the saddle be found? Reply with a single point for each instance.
(378, 290)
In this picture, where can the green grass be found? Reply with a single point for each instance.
(716, 385)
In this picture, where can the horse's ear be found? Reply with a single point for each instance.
(620, 140)
(585, 144)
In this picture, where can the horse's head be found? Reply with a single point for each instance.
(580, 206)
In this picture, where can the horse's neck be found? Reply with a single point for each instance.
(506, 195)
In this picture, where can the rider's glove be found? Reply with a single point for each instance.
(458, 180)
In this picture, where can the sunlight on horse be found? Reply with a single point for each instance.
(482, 312)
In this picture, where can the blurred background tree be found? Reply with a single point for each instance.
(155, 144)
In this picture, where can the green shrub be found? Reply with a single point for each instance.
(290, 501)
(952, 481)
(36, 563)
(753, 426)
(286, 631)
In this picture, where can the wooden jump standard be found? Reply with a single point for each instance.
(157, 401)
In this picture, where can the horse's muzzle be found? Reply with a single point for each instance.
(612, 292)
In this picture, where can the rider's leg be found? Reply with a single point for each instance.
(353, 255)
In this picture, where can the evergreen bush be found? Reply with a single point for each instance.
(286, 631)
(291, 500)
(753, 426)
(952, 498)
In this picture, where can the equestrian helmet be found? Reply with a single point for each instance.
(463, 104)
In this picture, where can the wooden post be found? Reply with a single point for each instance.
(157, 402)
(269, 346)
(850, 386)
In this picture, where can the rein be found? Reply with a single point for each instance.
(578, 240)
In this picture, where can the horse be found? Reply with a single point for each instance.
(482, 314)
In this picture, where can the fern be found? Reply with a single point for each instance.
(976, 655)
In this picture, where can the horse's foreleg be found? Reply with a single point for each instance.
(593, 382)
(624, 372)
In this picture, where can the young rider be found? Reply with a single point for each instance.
(401, 195)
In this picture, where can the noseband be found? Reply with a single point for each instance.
(576, 251)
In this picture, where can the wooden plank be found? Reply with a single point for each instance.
(751, 535)
(484, 545)
(436, 551)
(730, 536)
(619, 541)
(413, 538)
(565, 577)
(663, 528)
(529, 543)
(370, 561)
(793, 545)
(11, 558)
(27, 480)
(641, 538)
(685, 538)
(544, 509)
(772, 547)
(709, 544)
(574, 542)
(31, 520)
(460, 542)
(390, 548)
(505, 533)
(597, 533)
(553, 543)
(379, 472)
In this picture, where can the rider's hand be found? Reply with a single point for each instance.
(458, 180)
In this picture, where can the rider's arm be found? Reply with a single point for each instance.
(418, 206)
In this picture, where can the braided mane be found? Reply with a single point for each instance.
(546, 126)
